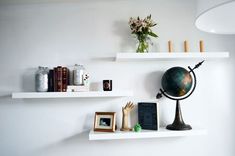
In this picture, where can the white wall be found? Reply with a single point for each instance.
(91, 32)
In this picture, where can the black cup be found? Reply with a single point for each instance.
(107, 85)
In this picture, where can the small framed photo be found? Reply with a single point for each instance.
(105, 121)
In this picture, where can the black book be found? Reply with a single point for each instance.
(148, 115)
(51, 81)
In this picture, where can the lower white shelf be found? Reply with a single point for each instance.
(161, 133)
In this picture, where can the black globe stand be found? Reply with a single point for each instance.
(178, 124)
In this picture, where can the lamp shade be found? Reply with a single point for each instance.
(216, 16)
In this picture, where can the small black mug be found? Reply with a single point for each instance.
(107, 85)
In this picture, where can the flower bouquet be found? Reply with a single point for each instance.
(142, 29)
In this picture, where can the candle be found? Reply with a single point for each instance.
(201, 43)
(170, 46)
(186, 46)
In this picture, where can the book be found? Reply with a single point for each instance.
(65, 78)
(59, 79)
(148, 115)
(55, 79)
(51, 81)
(71, 88)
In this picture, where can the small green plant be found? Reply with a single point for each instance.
(137, 128)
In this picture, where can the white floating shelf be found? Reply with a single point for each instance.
(161, 133)
(91, 94)
(170, 56)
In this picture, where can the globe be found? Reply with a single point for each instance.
(178, 84)
(177, 81)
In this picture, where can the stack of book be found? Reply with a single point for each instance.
(58, 79)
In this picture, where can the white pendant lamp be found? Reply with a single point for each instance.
(216, 16)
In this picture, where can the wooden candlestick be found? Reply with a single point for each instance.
(201, 44)
(186, 46)
(170, 46)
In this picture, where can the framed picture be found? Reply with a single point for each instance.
(105, 121)
(148, 115)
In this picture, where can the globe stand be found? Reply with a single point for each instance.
(178, 123)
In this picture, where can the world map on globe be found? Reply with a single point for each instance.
(177, 81)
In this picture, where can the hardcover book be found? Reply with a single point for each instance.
(65, 78)
(148, 115)
(55, 79)
(51, 81)
(59, 79)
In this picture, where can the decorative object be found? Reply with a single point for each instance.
(137, 128)
(148, 116)
(178, 84)
(107, 85)
(86, 78)
(170, 46)
(105, 121)
(125, 116)
(186, 49)
(41, 79)
(142, 29)
(201, 44)
(78, 73)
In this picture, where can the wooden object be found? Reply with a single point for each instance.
(186, 48)
(170, 49)
(125, 116)
(144, 134)
(201, 44)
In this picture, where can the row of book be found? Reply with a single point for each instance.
(58, 79)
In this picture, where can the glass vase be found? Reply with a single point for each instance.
(143, 46)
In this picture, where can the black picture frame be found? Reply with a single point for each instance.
(148, 115)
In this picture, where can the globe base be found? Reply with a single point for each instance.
(178, 124)
(180, 127)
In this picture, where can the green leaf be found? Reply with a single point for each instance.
(154, 24)
(152, 34)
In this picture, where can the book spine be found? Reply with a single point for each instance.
(55, 79)
(51, 81)
(158, 116)
(59, 79)
(65, 79)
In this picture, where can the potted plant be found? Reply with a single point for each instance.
(142, 29)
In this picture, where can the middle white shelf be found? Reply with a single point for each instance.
(90, 94)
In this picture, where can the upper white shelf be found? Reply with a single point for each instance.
(170, 56)
(161, 133)
(91, 94)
